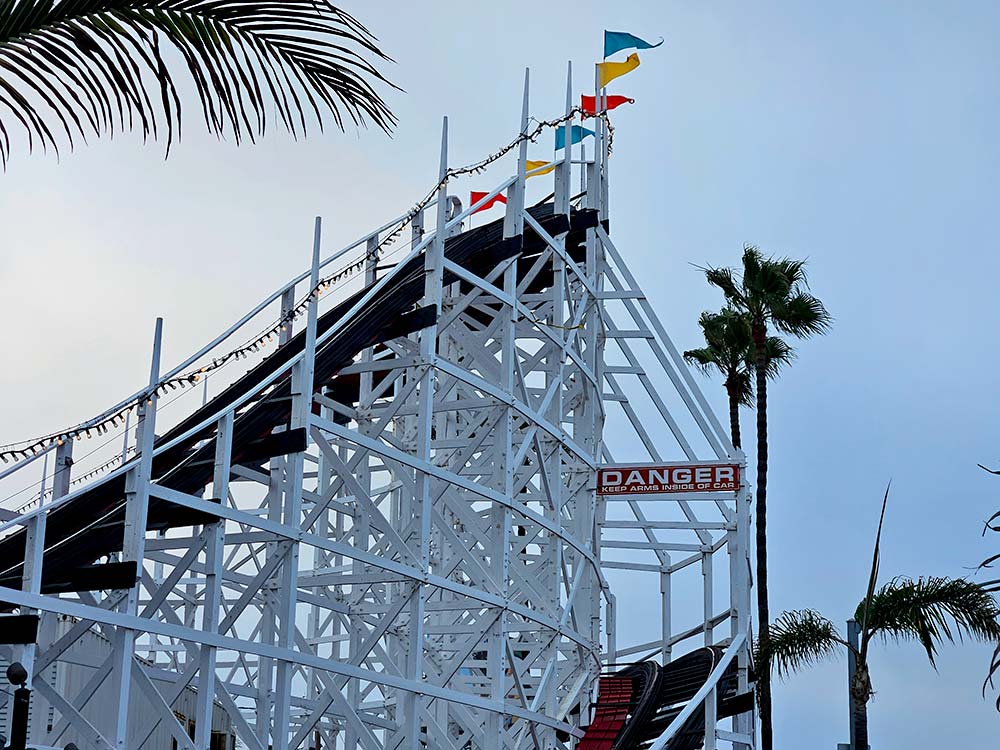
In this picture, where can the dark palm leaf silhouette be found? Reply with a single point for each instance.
(729, 349)
(992, 524)
(74, 68)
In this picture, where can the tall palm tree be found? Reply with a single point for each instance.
(928, 610)
(74, 68)
(729, 350)
(770, 292)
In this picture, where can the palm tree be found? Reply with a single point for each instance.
(729, 350)
(88, 67)
(770, 292)
(928, 610)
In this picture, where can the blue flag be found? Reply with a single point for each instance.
(616, 41)
(578, 134)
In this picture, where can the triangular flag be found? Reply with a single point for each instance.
(616, 41)
(589, 103)
(578, 134)
(532, 165)
(475, 197)
(612, 70)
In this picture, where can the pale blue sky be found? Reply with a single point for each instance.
(859, 134)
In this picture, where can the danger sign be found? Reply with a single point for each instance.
(646, 480)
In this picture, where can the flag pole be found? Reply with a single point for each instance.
(598, 144)
(604, 151)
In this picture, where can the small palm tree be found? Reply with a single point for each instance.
(729, 350)
(74, 68)
(769, 292)
(928, 610)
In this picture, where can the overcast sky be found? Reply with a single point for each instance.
(861, 135)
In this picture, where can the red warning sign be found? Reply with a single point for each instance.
(648, 480)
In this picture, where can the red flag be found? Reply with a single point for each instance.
(589, 103)
(475, 197)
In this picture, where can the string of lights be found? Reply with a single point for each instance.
(114, 462)
(130, 450)
(106, 421)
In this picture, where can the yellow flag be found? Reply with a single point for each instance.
(532, 165)
(612, 70)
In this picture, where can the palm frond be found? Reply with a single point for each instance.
(753, 260)
(779, 354)
(89, 67)
(725, 279)
(994, 670)
(793, 270)
(729, 350)
(799, 639)
(801, 314)
(866, 630)
(705, 359)
(932, 610)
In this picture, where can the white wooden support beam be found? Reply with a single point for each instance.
(136, 513)
(302, 400)
(214, 554)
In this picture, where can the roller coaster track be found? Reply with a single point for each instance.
(386, 533)
(91, 525)
(637, 705)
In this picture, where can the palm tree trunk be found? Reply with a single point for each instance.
(860, 725)
(763, 614)
(734, 418)
(860, 691)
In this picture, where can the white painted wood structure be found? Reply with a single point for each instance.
(435, 570)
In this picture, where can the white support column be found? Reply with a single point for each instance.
(498, 654)
(302, 398)
(594, 328)
(31, 581)
(711, 719)
(62, 472)
(564, 172)
(739, 567)
(214, 553)
(708, 594)
(555, 375)
(268, 623)
(433, 276)
(287, 324)
(612, 627)
(666, 626)
(362, 522)
(134, 543)
(268, 619)
(601, 154)
(33, 569)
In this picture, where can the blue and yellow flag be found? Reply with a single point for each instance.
(616, 41)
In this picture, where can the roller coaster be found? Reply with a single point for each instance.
(387, 531)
